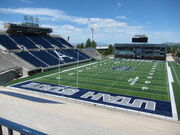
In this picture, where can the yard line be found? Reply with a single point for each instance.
(145, 92)
(67, 70)
(56, 73)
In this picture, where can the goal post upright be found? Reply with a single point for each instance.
(59, 68)
(77, 78)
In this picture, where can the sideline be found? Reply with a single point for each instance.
(173, 103)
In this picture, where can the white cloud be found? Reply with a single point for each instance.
(36, 11)
(58, 15)
(78, 28)
(24, 1)
(119, 4)
(80, 20)
(148, 22)
(122, 17)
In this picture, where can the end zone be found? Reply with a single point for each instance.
(117, 101)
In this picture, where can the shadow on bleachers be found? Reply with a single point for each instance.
(30, 98)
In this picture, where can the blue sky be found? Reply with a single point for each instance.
(114, 21)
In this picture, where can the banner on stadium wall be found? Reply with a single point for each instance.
(115, 100)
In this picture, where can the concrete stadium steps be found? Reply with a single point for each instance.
(6, 64)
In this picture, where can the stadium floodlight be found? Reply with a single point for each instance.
(92, 29)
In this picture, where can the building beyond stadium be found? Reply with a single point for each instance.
(141, 50)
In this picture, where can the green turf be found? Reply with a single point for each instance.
(176, 85)
(101, 77)
(43, 74)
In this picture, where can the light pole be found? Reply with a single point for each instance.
(92, 29)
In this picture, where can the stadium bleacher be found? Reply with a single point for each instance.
(23, 40)
(61, 54)
(13, 62)
(6, 42)
(54, 41)
(93, 53)
(40, 41)
(34, 52)
(46, 57)
(64, 42)
(31, 59)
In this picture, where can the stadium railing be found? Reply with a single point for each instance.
(12, 126)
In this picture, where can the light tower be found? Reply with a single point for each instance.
(92, 29)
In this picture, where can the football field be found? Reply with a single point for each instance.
(145, 79)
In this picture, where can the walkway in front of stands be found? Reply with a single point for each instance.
(57, 116)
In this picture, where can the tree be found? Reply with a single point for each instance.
(88, 43)
(93, 44)
(178, 53)
(110, 49)
(78, 45)
(81, 45)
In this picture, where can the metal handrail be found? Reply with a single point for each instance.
(23, 130)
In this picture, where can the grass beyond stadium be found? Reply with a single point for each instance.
(145, 79)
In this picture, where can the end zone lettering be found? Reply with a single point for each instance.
(149, 105)
(58, 89)
(105, 98)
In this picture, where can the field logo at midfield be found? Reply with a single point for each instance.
(124, 68)
(110, 99)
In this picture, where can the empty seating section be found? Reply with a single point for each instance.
(65, 58)
(31, 59)
(23, 40)
(41, 41)
(54, 41)
(7, 42)
(93, 53)
(36, 56)
(72, 54)
(46, 57)
(81, 54)
(64, 42)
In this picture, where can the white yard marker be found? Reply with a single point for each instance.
(71, 74)
(58, 78)
(134, 80)
(145, 88)
(149, 77)
(151, 73)
(147, 82)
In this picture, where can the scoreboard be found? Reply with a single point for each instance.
(140, 39)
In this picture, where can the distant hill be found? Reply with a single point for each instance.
(171, 44)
